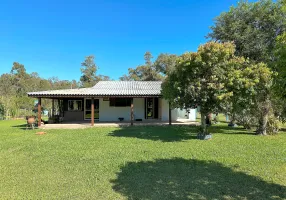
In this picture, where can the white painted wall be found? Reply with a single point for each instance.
(139, 112)
(165, 110)
(184, 114)
(107, 113)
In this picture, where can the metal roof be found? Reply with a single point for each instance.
(107, 89)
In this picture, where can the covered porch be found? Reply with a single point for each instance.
(92, 111)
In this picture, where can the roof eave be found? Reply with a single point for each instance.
(90, 96)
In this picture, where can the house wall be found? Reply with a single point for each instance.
(184, 114)
(107, 113)
(165, 110)
(179, 114)
(176, 113)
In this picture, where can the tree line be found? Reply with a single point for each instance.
(14, 86)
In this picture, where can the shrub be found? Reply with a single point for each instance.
(272, 125)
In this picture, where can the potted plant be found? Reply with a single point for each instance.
(31, 120)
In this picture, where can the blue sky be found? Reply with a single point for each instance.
(52, 37)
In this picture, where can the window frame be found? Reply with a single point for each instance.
(113, 103)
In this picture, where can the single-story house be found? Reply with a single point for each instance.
(110, 101)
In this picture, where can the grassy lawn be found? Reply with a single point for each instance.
(140, 163)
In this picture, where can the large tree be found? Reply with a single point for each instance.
(212, 76)
(280, 81)
(89, 69)
(280, 64)
(253, 27)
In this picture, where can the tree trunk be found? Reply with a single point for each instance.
(263, 118)
(209, 119)
(232, 120)
(203, 124)
(262, 125)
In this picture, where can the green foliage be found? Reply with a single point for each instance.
(142, 73)
(200, 79)
(217, 80)
(280, 66)
(151, 71)
(273, 125)
(15, 85)
(89, 70)
(163, 162)
(253, 27)
(246, 117)
(165, 63)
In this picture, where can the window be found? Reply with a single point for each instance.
(119, 102)
(74, 105)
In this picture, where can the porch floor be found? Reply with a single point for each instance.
(86, 124)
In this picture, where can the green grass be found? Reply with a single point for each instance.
(140, 163)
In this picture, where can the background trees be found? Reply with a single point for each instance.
(146, 72)
(14, 86)
(89, 69)
(151, 71)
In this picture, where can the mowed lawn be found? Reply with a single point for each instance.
(140, 163)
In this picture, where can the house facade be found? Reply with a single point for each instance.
(112, 101)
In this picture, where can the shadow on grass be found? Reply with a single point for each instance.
(191, 179)
(174, 133)
(158, 133)
(224, 129)
(23, 127)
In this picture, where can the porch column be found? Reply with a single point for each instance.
(92, 111)
(53, 108)
(132, 112)
(170, 114)
(39, 112)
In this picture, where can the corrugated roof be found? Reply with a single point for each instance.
(109, 88)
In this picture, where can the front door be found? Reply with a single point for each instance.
(151, 108)
(87, 109)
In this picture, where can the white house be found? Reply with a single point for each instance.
(110, 101)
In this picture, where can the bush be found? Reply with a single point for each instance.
(272, 125)
(246, 118)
